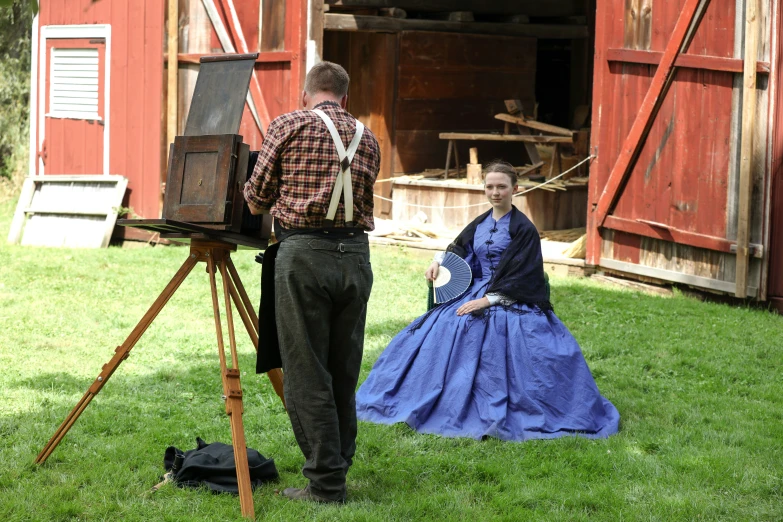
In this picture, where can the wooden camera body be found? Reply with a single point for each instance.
(209, 165)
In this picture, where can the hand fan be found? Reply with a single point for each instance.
(453, 279)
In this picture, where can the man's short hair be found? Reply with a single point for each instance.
(327, 77)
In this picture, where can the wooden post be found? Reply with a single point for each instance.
(173, 70)
(474, 168)
(746, 145)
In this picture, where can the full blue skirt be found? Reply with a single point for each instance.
(513, 374)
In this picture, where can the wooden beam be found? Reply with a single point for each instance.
(661, 81)
(255, 87)
(670, 276)
(502, 137)
(752, 29)
(507, 7)
(683, 237)
(384, 24)
(276, 57)
(690, 61)
(544, 127)
(172, 72)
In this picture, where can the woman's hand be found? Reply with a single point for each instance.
(473, 306)
(432, 272)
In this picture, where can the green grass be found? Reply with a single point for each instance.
(699, 387)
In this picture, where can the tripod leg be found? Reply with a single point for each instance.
(241, 288)
(250, 320)
(231, 386)
(120, 354)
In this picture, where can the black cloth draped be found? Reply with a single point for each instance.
(520, 272)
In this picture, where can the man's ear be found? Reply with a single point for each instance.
(344, 101)
(304, 99)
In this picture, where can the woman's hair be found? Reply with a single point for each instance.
(327, 77)
(503, 167)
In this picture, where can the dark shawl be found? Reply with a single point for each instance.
(268, 346)
(520, 272)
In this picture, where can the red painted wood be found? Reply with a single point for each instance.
(603, 27)
(681, 170)
(118, 159)
(195, 58)
(296, 41)
(136, 86)
(74, 146)
(646, 114)
(626, 247)
(710, 63)
(669, 233)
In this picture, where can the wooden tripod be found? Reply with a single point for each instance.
(217, 256)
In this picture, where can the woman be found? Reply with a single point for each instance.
(496, 362)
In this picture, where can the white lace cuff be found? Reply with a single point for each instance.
(438, 257)
(499, 299)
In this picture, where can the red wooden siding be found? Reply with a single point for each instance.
(136, 89)
(275, 69)
(74, 146)
(675, 211)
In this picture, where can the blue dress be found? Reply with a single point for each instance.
(513, 374)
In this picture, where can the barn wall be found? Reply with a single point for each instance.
(686, 176)
(457, 82)
(136, 89)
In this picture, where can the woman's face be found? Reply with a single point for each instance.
(499, 190)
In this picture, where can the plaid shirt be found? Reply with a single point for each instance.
(298, 164)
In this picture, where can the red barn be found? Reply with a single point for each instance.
(682, 189)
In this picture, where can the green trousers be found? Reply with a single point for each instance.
(322, 286)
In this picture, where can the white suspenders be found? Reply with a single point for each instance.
(342, 184)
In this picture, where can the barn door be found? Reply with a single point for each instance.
(664, 190)
(74, 108)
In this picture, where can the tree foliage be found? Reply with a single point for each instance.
(15, 28)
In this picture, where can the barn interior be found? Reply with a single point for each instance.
(424, 71)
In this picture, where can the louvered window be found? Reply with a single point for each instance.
(74, 83)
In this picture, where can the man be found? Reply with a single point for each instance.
(318, 276)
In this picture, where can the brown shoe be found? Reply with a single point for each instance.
(306, 494)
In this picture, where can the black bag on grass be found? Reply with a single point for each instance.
(212, 466)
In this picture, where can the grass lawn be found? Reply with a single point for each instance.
(699, 387)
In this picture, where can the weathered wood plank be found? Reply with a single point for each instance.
(272, 57)
(666, 232)
(691, 61)
(503, 137)
(510, 7)
(272, 33)
(417, 150)
(544, 127)
(172, 71)
(346, 22)
(752, 28)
